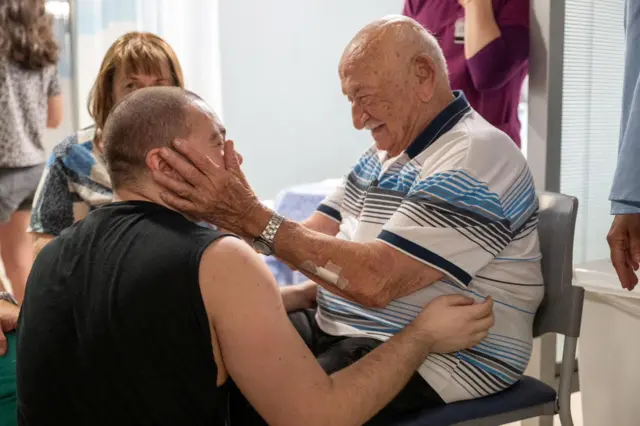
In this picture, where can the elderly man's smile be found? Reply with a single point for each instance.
(378, 129)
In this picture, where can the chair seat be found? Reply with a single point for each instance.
(526, 393)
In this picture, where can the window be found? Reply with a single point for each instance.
(591, 104)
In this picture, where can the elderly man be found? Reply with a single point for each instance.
(443, 203)
(136, 315)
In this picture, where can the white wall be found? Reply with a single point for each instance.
(281, 92)
(189, 26)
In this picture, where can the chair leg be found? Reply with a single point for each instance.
(566, 374)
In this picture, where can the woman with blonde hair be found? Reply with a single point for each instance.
(30, 101)
(75, 180)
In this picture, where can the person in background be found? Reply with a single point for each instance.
(75, 180)
(30, 101)
(624, 236)
(486, 46)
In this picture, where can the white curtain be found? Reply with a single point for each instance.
(189, 26)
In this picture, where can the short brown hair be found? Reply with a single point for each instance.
(146, 119)
(26, 35)
(135, 52)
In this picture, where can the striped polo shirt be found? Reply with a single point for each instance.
(460, 199)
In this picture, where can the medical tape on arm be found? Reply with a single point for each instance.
(329, 273)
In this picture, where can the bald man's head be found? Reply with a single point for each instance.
(150, 119)
(393, 72)
(400, 35)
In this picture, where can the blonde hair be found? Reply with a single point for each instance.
(134, 52)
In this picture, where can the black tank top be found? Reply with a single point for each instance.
(113, 330)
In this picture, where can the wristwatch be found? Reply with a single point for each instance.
(264, 243)
(5, 295)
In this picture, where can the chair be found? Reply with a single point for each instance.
(560, 312)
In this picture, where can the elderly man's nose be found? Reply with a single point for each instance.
(359, 117)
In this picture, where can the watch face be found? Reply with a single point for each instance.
(262, 247)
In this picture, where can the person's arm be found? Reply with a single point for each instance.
(496, 43)
(8, 321)
(54, 111)
(299, 296)
(322, 223)
(372, 274)
(285, 383)
(624, 235)
(427, 238)
(407, 10)
(54, 98)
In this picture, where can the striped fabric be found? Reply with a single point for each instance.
(75, 182)
(460, 199)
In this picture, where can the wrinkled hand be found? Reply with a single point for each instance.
(218, 194)
(455, 322)
(8, 322)
(624, 243)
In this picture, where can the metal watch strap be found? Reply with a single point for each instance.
(5, 295)
(269, 233)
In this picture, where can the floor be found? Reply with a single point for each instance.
(576, 411)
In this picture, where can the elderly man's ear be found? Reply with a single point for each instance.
(425, 74)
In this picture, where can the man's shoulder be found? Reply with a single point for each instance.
(481, 149)
(228, 257)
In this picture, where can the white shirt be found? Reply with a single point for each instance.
(461, 199)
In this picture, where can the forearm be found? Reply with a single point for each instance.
(480, 26)
(298, 296)
(289, 298)
(342, 267)
(361, 390)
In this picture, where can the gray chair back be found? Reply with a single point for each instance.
(561, 309)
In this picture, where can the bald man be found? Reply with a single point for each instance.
(136, 315)
(443, 203)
